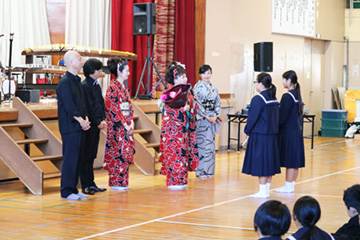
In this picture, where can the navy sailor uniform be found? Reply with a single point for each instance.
(270, 238)
(291, 142)
(298, 235)
(262, 156)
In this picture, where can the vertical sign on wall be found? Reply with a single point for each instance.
(295, 17)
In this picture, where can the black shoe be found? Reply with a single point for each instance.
(96, 189)
(88, 191)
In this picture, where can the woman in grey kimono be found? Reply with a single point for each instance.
(208, 122)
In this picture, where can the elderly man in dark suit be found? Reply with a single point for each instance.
(73, 121)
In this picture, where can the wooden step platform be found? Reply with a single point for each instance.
(46, 157)
(30, 141)
(152, 145)
(142, 131)
(19, 125)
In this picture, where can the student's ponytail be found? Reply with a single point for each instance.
(307, 211)
(266, 81)
(294, 80)
(301, 103)
(272, 91)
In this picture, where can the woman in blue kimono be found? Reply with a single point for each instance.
(291, 142)
(207, 123)
(262, 156)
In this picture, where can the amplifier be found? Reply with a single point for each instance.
(28, 95)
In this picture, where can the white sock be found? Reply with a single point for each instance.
(293, 186)
(288, 185)
(287, 189)
(177, 187)
(268, 189)
(261, 193)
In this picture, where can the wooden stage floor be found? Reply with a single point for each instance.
(217, 208)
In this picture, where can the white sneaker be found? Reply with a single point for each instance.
(118, 188)
(202, 176)
(72, 197)
(177, 187)
(284, 190)
(209, 176)
(82, 195)
(259, 195)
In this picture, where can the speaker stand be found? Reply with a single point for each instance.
(147, 66)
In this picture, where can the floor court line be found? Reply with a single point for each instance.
(205, 207)
(212, 226)
(207, 225)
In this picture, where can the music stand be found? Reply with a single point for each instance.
(147, 64)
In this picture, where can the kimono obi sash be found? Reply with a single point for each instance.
(208, 104)
(125, 108)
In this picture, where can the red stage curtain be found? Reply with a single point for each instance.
(122, 38)
(185, 37)
(183, 50)
(164, 38)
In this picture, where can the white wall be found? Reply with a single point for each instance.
(233, 26)
(352, 30)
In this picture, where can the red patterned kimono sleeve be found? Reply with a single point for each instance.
(193, 106)
(112, 104)
(131, 110)
(177, 114)
(168, 131)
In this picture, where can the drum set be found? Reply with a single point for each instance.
(8, 85)
(8, 88)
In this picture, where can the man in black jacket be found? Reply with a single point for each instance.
(351, 229)
(96, 110)
(73, 121)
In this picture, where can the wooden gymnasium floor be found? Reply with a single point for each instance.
(217, 208)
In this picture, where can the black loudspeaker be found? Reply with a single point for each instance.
(263, 57)
(28, 96)
(144, 19)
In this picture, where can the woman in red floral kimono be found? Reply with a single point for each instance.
(119, 146)
(178, 147)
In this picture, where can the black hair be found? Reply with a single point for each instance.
(168, 72)
(307, 211)
(204, 68)
(115, 64)
(352, 197)
(172, 64)
(272, 218)
(294, 80)
(91, 65)
(122, 64)
(173, 73)
(266, 81)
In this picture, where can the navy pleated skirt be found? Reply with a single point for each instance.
(262, 155)
(291, 149)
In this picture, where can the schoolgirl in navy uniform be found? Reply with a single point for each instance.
(306, 214)
(262, 156)
(291, 142)
(272, 220)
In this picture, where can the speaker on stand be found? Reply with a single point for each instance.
(145, 24)
(263, 57)
(144, 19)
